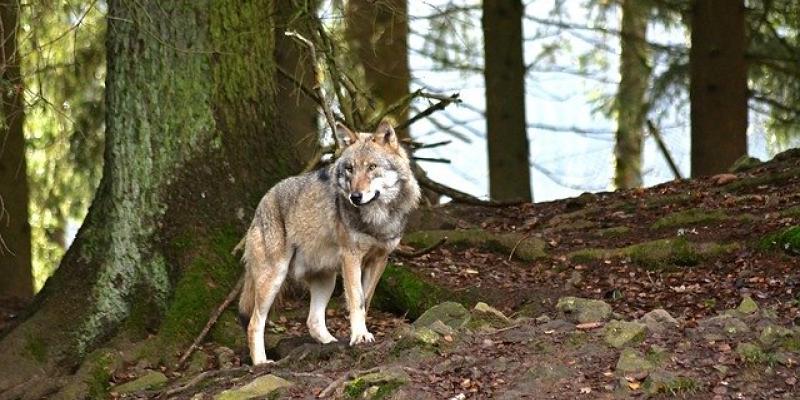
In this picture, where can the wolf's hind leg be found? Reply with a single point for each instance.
(267, 286)
(321, 288)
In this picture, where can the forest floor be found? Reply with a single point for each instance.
(720, 255)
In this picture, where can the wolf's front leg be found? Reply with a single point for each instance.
(356, 302)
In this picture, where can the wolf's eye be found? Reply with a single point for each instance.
(372, 167)
(348, 168)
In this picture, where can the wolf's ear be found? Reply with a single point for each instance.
(385, 134)
(346, 134)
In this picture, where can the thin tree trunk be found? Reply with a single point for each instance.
(631, 102)
(377, 33)
(718, 90)
(504, 72)
(193, 140)
(16, 275)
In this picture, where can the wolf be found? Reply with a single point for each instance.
(347, 216)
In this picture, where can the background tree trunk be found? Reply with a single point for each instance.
(377, 33)
(631, 102)
(504, 72)
(193, 140)
(718, 89)
(15, 232)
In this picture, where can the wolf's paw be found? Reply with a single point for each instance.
(262, 360)
(323, 337)
(361, 337)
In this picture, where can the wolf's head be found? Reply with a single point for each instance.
(374, 168)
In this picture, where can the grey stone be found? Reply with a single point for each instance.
(583, 310)
(659, 321)
(619, 334)
(450, 313)
(632, 362)
(258, 388)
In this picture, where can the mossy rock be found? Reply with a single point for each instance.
(377, 385)
(619, 334)
(662, 382)
(524, 248)
(92, 378)
(775, 336)
(450, 313)
(659, 320)
(748, 306)
(774, 178)
(744, 163)
(632, 361)
(787, 240)
(692, 216)
(267, 386)
(584, 310)
(722, 327)
(658, 254)
(150, 380)
(486, 316)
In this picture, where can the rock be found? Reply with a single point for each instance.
(632, 362)
(750, 352)
(745, 163)
(377, 385)
(619, 334)
(150, 380)
(486, 316)
(426, 335)
(575, 279)
(747, 306)
(258, 388)
(224, 356)
(723, 179)
(667, 382)
(451, 313)
(583, 310)
(774, 335)
(442, 329)
(721, 327)
(659, 321)
(558, 325)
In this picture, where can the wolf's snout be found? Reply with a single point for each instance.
(356, 197)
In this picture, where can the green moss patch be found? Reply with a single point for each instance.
(692, 216)
(401, 291)
(36, 348)
(208, 276)
(787, 239)
(658, 254)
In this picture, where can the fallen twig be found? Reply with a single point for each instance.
(663, 147)
(211, 321)
(514, 249)
(423, 251)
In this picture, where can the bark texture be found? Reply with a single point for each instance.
(193, 140)
(15, 232)
(718, 91)
(504, 73)
(631, 101)
(377, 33)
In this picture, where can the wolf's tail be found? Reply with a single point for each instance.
(247, 297)
(246, 302)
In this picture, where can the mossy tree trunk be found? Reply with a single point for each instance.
(193, 140)
(377, 33)
(504, 72)
(15, 232)
(718, 88)
(631, 103)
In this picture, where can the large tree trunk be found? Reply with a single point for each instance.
(377, 33)
(631, 103)
(504, 72)
(192, 143)
(718, 90)
(15, 232)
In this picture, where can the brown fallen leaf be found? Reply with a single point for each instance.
(723, 179)
(589, 325)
